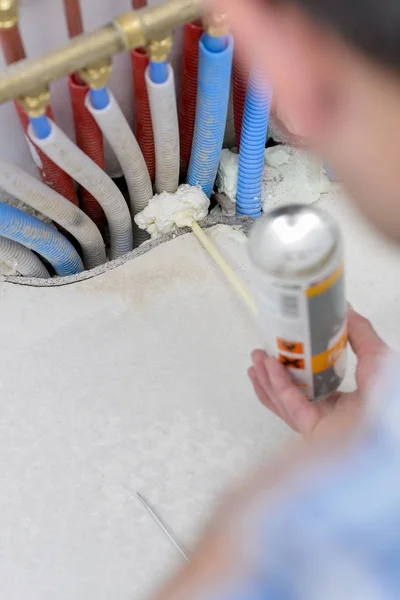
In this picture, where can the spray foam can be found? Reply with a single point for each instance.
(297, 255)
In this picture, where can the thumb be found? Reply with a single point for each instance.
(367, 346)
(363, 338)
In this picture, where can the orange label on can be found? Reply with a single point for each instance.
(292, 347)
(325, 360)
(324, 285)
(291, 362)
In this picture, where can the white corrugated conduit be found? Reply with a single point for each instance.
(22, 259)
(119, 135)
(80, 167)
(164, 114)
(41, 197)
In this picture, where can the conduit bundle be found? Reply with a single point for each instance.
(165, 149)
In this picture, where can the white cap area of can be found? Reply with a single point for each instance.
(294, 241)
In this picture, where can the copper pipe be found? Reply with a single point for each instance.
(11, 43)
(73, 17)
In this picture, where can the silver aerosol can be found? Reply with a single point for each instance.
(297, 254)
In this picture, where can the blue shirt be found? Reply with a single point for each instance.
(333, 533)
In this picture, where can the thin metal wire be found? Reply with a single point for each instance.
(166, 531)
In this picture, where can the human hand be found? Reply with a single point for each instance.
(339, 412)
(223, 553)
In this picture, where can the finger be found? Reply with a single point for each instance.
(363, 338)
(259, 357)
(256, 34)
(302, 415)
(261, 395)
(274, 38)
(249, 22)
(258, 388)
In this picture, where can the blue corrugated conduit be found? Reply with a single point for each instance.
(158, 71)
(215, 43)
(33, 192)
(99, 98)
(20, 227)
(252, 147)
(215, 67)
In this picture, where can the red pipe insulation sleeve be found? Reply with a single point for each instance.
(90, 140)
(143, 124)
(136, 4)
(87, 133)
(11, 42)
(73, 17)
(240, 80)
(50, 173)
(188, 98)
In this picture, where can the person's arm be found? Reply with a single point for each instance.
(224, 565)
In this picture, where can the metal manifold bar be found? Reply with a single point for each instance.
(130, 30)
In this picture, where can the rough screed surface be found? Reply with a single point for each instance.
(136, 380)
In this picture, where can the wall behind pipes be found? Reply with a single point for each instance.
(43, 28)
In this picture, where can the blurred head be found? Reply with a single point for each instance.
(335, 69)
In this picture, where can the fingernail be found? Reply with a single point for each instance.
(258, 356)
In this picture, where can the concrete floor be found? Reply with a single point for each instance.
(136, 381)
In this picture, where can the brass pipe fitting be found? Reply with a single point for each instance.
(35, 105)
(129, 26)
(153, 23)
(8, 13)
(159, 50)
(97, 75)
(132, 30)
(23, 78)
(216, 24)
